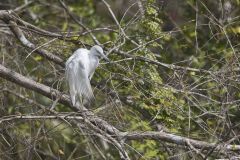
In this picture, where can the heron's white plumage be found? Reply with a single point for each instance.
(80, 68)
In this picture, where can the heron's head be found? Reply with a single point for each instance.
(98, 51)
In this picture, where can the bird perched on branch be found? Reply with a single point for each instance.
(80, 68)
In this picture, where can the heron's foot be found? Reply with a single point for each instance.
(83, 110)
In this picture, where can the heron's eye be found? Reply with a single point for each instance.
(99, 55)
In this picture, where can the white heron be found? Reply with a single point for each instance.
(80, 68)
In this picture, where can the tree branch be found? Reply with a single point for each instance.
(78, 22)
(32, 85)
(37, 117)
(9, 19)
(179, 140)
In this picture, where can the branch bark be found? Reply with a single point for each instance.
(32, 85)
(179, 140)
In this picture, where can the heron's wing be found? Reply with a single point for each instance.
(83, 82)
(70, 76)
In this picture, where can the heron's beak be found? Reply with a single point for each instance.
(105, 57)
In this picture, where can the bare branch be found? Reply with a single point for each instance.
(8, 19)
(78, 22)
(37, 87)
(167, 137)
(36, 117)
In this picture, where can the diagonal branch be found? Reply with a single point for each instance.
(9, 19)
(180, 140)
(78, 22)
(37, 87)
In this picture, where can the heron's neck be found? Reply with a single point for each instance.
(93, 56)
(92, 52)
(93, 59)
(93, 63)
